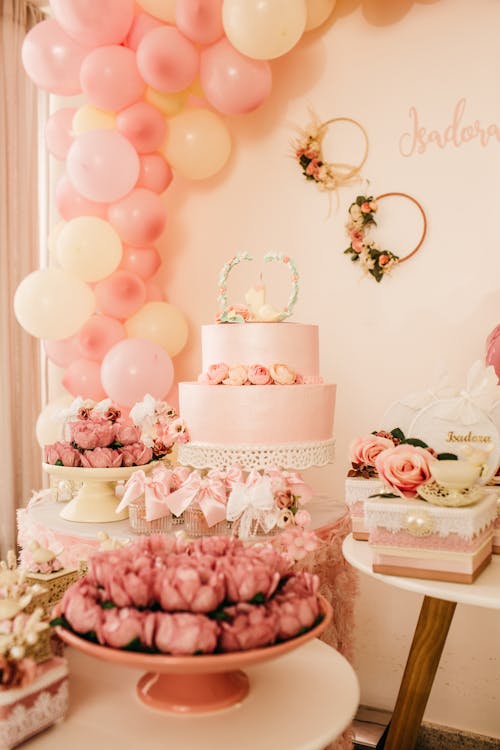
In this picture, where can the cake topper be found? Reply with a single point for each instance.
(256, 308)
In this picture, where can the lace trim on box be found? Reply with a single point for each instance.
(358, 489)
(23, 722)
(290, 456)
(466, 522)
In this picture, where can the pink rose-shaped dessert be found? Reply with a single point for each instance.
(126, 433)
(247, 578)
(282, 374)
(259, 375)
(364, 450)
(135, 454)
(404, 467)
(101, 458)
(238, 375)
(80, 607)
(216, 374)
(122, 626)
(296, 605)
(185, 633)
(63, 452)
(94, 432)
(249, 626)
(190, 588)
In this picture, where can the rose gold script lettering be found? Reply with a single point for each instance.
(456, 133)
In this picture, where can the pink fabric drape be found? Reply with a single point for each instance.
(19, 353)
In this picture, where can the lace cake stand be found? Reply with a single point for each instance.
(194, 684)
(95, 501)
(299, 456)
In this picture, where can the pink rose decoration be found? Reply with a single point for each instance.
(249, 626)
(282, 374)
(122, 626)
(238, 375)
(216, 373)
(80, 607)
(91, 433)
(101, 458)
(190, 588)
(259, 375)
(364, 450)
(302, 518)
(246, 578)
(404, 467)
(126, 433)
(366, 207)
(283, 499)
(185, 633)
(296, 605)
(135, 454)
(63, 452)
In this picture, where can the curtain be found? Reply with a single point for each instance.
(20, 469)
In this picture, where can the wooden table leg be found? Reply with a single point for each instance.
(421, 666)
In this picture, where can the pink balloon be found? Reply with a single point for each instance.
(83, 378)
(167, 60)
(200, 20)
(62, 352)
(98, 335)
(110, 78)
(52, 59)
(232, 83)
(120, 295)
(94, 23)
(135, 367)
(493, 356)
(492, 336)
(143, 125)
(154, 173)
(154, 292)
(58, 132)
(143, 261)
(142, 23)
(139, 218)
(71, 204)
(102, 165)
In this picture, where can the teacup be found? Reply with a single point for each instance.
(455, 475)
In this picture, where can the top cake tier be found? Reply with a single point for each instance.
(293, 344)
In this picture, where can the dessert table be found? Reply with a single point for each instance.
(436, 614)
(301, 701)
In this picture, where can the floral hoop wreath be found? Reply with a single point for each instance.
(308, 151)
(362, 249)
(242, 313)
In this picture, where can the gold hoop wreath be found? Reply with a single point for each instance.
(308, 150)
(364, 250)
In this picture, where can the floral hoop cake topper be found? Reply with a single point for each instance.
(366, 251)
(308, 149)
(256, 308)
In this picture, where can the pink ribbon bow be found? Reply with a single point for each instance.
(155, 488)
(209, 493)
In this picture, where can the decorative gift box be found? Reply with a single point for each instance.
(357, 492)
(29, 709)
(496, 531)
(416, 539)
(54, 583)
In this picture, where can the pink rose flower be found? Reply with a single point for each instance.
(283, 499)
(357, 245)
(91, 433)
(80, 607)
(356, 235)
(296, 605)
(302, 518)
(250, 626)
(126, 433)
(259, 375)
(64, 452)
(217, 373)
(238, 375)
(296, 542)
(122, 626)
(135, 454)
(383, 260)
(364, 450)
(246, 578)
(313, 167)
(101, 458)
(404, 467)
(185, 633)
(282, 374)
(190, 588)
(366, 207)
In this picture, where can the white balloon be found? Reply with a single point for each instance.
(48, 427)
(162, 9)
(318, 11)
(89, 248)
(53, 304)
(264, 29)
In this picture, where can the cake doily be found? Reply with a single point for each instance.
(248, 457)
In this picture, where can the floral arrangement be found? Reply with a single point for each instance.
(256, 374)
(404, 468)
(165, 595)
(161, 427)
(372, 259)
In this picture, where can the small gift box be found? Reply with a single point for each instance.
(140, 524)
(151, 499)
(202, 501)
(30, 708)
(55, 584)
(357, 492)
(496, 531)
(196, 524)
(416, 539)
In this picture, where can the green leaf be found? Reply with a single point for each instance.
(416, 442)
(61, 621)
(384, 494)
(58, 462)
(258, 599)
(398, 433)
(108, 605)
(446, 457)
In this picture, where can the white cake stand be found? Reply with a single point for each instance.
(95, 501)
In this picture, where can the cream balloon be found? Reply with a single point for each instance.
(264, 29)
(198, 144)
(161, 323)
(162, 9)
(89, 248)
(54, 233)
(168, 104)
(90, 118)
(48, 427)
(53, 304)
(317, 12)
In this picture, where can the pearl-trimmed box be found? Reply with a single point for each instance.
(415, 539)
(496, 531)
(357, 491)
